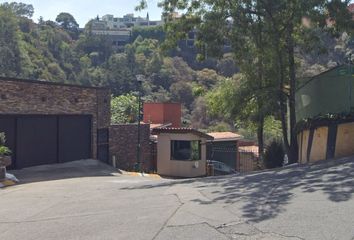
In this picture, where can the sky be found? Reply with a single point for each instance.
(84, 10)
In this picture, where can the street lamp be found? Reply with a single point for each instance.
(140, 79)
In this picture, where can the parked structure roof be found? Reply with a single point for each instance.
(157, 131)
(225, 136)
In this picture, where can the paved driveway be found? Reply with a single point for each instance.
(296, 203)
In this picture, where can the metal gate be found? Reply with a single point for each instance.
(248, 160)
(103, 145)
(47, 139)
(243, 159)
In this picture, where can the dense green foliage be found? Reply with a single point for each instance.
(124, 109)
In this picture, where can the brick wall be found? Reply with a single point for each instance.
(38, 97)
(123, 145)
(103, 107)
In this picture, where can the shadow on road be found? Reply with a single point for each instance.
(266, 194)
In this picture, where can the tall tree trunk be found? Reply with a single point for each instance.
(261, 78)
(293, 153)
(260, 133)
(282, 98)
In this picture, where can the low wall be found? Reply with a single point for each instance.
(123, 140)
(326, 142)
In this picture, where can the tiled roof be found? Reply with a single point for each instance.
(159, 125)
(40, 81)
(225, 136)
(157, 131)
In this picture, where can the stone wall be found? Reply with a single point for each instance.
(39, 97)
(123, 146)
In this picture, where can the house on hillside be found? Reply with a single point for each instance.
(118, 30)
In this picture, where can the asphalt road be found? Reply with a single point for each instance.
(91, 201)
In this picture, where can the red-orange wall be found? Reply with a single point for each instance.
(163, 113)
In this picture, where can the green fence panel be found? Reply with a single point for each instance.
(328, 93)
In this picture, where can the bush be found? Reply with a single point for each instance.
(3, 149)
(274, 155)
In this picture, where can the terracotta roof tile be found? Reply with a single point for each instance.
(159, 125)
(157, 131)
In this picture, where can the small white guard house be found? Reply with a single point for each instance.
(181, 152)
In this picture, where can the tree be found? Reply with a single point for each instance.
(19, 9)
(155, 32)
(124, 109)
(121, 80)
(207, 78)
(199, 117)
(10, 56)
(241, 100)
(227, 66)
(68, 22)
(182, 92)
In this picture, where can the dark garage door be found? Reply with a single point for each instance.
(43, 139)
(74, 138)
(36, 141)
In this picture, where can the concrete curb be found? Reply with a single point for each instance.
(7, 183)
(137, 174)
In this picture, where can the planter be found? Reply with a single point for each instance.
(4, 162)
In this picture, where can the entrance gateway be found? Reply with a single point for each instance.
(47, 139)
